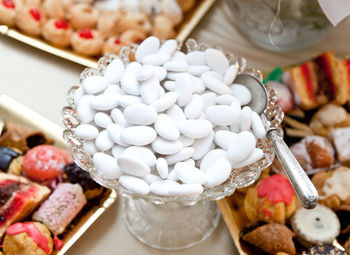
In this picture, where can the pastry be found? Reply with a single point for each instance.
(108, 23)
(343, 213)
(302, 80)
(271, 200)
(18, 198)
(318, 81)
(10, 161)
(333, 188)
(27, 238)
(347, 246)
(87, 41)
(324, 249)
(57, 9)
(172, 10)
(113, 45)
(284, 96)
(331, 77)
(150, 7)
(186, 5)
(43, 162)
(313, 225)
(82, 15)
(7, 12)
(57, 32)
(341, 141)
(163, 28)
(272, 238)
(328, 117)
(21, 138)
(30, 19)
(76, 175)
(136, 21)
(61, 207)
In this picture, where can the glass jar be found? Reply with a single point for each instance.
(299, 24)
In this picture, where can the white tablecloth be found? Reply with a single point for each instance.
(40, 81)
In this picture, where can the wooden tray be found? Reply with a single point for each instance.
(18, 113)
(191, 19)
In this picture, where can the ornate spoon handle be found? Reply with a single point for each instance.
(301, 183)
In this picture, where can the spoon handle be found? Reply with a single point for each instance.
(300, 182)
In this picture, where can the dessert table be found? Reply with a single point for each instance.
(40, 81)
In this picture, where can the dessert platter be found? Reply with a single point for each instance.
(314, 96)
(172, 132)
(47, 201)
(82, 31)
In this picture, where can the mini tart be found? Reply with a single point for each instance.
(57, 32)
(108, 23)
(186, 5)
(57, 8)
(136, 21)
(318, 224)
(82, 15)
(87, 41)
(11, 161)
(324, 249)
(30, 19)
(115, 43)
(7, 12)
(163, 28)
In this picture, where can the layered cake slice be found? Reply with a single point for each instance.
(318, 81)
(18, 198)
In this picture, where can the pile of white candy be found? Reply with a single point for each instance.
(169, 123)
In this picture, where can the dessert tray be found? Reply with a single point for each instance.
(14, 112)
(190, 20)
(314, 97)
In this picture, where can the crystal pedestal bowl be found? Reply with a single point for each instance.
(171, 222)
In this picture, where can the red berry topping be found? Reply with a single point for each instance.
(35, 14)
(86, 33)
(117, 41)
(58, 243)
(61, 24)
(139, 41)
(43, 162)
(8, 4)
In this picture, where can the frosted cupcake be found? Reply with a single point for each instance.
(57, 8)
(30, 20)
(7, 12)
(82, 16)
(57, 32)
(87, 41)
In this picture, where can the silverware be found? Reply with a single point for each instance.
(305, 190)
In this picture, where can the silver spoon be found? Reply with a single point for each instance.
(300, 182)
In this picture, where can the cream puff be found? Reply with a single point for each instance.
(57, 32)
(82, 16)
(87, 41)
(30, 19)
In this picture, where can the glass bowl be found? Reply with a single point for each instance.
(161, 221)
